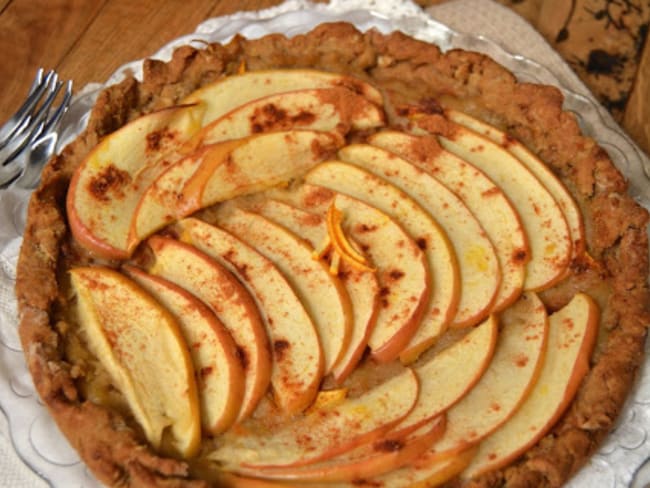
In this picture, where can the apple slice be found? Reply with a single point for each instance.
(366, 461)
(362, 286)
(297, 367)
(322, 294)
(545, 225)
(402, 274)
(443, 267)
(485, 200)
(506, 383)
(227, 93)
(206, 279)
(178, 191)
(479, 267)
(449, 375)
(572, 335)
(106, 187)
(265, 160)
(219, 373)
(323, 109)
(323, 433)
(538, 168)
(159, 203)
(222, 171)
(427, 471)
(141, 346)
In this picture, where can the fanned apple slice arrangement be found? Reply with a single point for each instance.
(275, 227)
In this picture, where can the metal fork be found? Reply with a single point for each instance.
(29, 137)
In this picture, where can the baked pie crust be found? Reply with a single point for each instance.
(413, 76)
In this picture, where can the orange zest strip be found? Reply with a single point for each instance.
(335, 264)
(334, 218)
(340, 242)
(327, 399)
(336, 241)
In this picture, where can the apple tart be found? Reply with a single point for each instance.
(337, 259)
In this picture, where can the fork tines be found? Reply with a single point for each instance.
(36, 117)
(36, 111)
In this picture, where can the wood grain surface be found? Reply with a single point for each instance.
(604, 41)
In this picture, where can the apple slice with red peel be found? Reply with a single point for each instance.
(323, 433)
(479, 267)
(323, 109)
(222, 171)
(220, 290)
(222, 96)
(364, 462)
(485, 200)
(402, 274)
(572, 335)
(263, 161)
(543, 220)
(322, 294)
(219, 373)
(514, 369)
(449, 375)
(297, 367)
(538, 168)
(161, 203)
(443, 267)
(428, 471)
(141, 346)
(106, 187)
(362, 286)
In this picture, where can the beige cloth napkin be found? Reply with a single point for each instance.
(476, 17)
(512, 32)
(13, 471)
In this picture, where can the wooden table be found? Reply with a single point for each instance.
(86, 40)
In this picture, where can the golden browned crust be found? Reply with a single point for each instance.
(408, 72)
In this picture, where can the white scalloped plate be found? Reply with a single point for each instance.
(620, 461)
